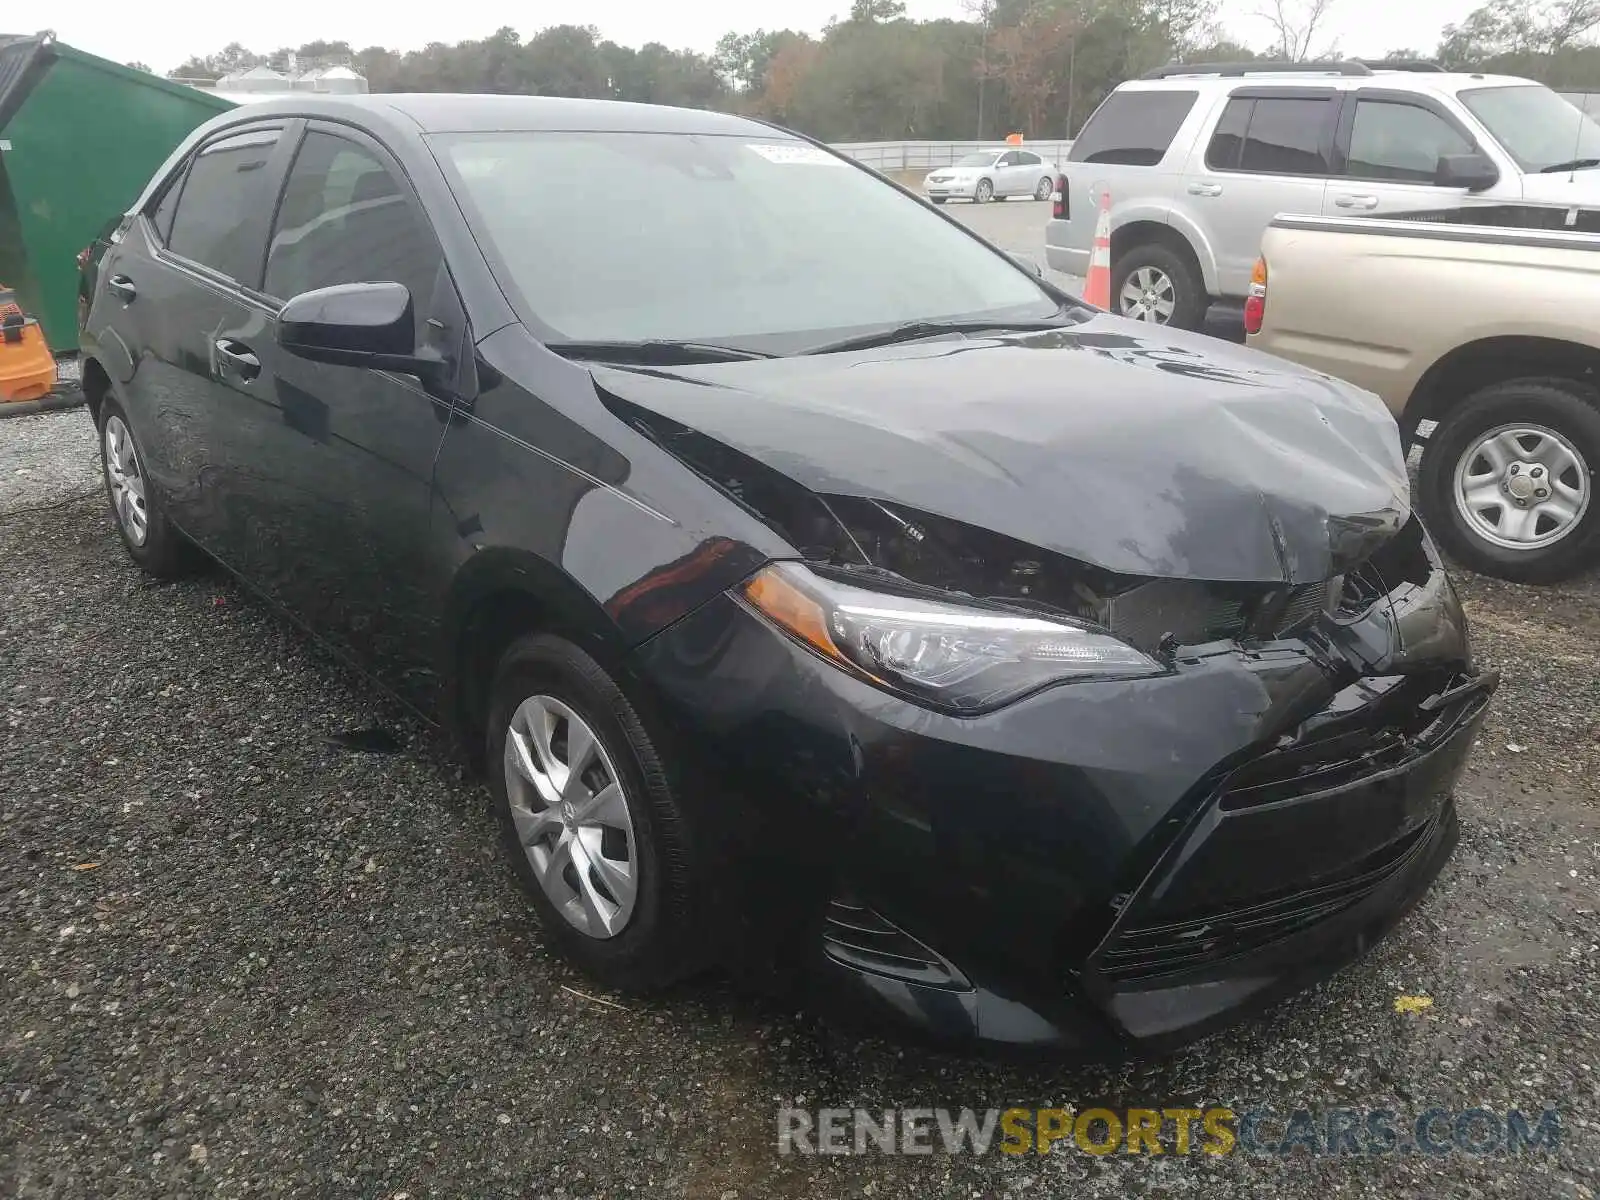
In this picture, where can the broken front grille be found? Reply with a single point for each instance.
(1402, 717)
(1194, 612)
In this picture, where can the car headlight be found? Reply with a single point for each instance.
(959, 658)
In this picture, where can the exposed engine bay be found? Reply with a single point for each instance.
(903, 546)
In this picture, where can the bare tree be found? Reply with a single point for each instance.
(1295, 24)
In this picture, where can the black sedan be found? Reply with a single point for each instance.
(822, 591)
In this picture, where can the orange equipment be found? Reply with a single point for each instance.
(27, 368)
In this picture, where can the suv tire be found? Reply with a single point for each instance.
(1188, 297)
(1550, 430)
(643, 840)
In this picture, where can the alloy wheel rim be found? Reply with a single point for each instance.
(1042, 192)
(126, 477)
(1522, 487)
(1148, 294)
(985, 189)
(571, 816)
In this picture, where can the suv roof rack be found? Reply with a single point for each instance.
(1401, 64)
(1260, 67)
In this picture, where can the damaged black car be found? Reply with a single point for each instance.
(821, 590)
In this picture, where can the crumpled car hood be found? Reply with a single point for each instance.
(1162, 454)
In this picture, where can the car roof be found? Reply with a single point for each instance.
(444, 112)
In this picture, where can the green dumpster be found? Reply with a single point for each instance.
(80, 136)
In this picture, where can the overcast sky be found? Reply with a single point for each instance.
(163, 35)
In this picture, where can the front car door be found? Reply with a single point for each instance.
(1005, 174)
(1388, 152)
(352, 473)
(1269, 153)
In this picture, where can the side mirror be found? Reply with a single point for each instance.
(1475, 172)
(1026, 263)
(357, 325)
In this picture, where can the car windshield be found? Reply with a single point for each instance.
(771, 244)
(1536, 126)
(974, 160)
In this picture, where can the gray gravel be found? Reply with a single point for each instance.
(297, 970)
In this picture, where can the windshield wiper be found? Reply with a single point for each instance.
(1577, 164)
(913, 330)
(656, 352)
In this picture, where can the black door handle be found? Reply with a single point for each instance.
(238, 358)
(122, 287)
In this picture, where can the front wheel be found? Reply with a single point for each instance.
(938, 199)
(1045, 189)
(591, 821)
(1507, 480)
(1155, 284)
(983, 193)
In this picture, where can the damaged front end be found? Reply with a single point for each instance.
(1117, 863)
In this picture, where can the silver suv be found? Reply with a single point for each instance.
(1199, 158)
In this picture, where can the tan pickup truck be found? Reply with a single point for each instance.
(1476, 322)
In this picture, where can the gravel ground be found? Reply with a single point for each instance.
(239, 959)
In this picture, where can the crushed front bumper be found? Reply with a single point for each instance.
(1099, 869)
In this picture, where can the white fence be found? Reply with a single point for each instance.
(912, 156)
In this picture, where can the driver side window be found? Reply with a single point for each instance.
(1400, 142)
(345, 218)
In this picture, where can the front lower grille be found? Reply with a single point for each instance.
(863, 938)
(1142, 952)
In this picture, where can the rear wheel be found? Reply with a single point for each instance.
(1156, 284)
(1045, 188)
(1507, 480)
(983, 193)
(151, 540)
(591, 822)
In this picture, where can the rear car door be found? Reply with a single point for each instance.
(1387, 153)
(1030, 170)
(350, 481)
(1268, 153)
(173, 292)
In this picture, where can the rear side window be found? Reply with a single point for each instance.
(162, 217)
(1400, 142)
(1271, 135)
(1227, 143)
(221, 196)
(1133, 128)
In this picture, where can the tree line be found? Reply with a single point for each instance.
(1037, 67)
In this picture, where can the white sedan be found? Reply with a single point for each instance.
(992, 175)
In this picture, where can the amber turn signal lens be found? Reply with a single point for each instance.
(781, 602)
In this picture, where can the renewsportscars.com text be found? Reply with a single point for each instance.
(1168, 1130)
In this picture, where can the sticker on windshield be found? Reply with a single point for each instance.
(789, 153)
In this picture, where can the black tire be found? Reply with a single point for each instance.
(164, 553)
(938, 199)
(1045, 188)
(659, 944)
(983, 193)
(1564, 406)
(1189, 295)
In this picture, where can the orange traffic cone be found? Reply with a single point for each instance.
(1097, 288)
